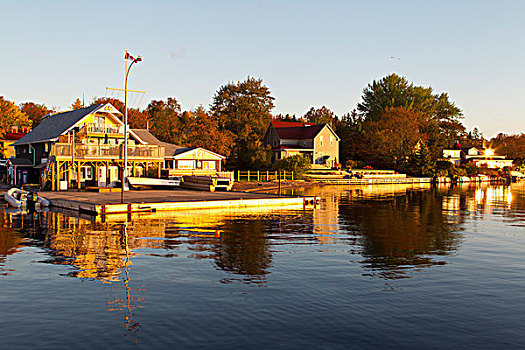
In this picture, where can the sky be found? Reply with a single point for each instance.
(309, 53)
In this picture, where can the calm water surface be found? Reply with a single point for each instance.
(371, 267)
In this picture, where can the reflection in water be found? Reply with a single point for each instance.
(394, 228)
(304, 256)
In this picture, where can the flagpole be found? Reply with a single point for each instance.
(125, 170)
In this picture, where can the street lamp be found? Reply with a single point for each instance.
(127, 57)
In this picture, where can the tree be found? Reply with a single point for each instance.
(35, 112)
(77, 104)
(396, 91)
(203, 131)
(244, 110)
(10, 115)
(393, 138)
(321, 115)
(296, 163)
(168, 124)
(441, 119)
(286, 118)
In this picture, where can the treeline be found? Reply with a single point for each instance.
(397, 125)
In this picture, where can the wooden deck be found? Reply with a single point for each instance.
(165, 200)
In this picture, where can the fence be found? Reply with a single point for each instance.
(263, 176)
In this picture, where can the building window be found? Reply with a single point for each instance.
(208, 164)
(186, 164)
(321, 140)
(331, 140)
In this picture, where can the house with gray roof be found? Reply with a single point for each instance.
(83, 147)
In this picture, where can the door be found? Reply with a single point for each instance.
(102, 176)
(113, 175)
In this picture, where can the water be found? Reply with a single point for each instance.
(371, 267)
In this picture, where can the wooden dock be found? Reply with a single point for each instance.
(167, 200)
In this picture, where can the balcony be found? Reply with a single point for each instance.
(90, 128)
(100, 152)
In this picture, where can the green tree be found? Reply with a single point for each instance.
(439, 119)
(396, 91)
(244, 110)
(296, 163)
(35, 112)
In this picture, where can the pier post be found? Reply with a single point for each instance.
(248, 175)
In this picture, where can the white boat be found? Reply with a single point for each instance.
(148, 182)
(17, 198)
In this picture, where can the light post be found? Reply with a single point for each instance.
(127, 57)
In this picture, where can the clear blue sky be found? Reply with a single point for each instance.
(309, 53)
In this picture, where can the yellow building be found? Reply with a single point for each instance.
(83, 147)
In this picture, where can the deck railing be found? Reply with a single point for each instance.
(263, 176)
(91, 128)
(63, 150)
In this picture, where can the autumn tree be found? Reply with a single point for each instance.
(11, 115)
(203, 131)
(322, 115)
(393, 137)
(35, 112)
(244, 110)
(168, 124)
(77, 104)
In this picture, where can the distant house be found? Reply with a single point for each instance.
(184, 160)
(14, 134)
(318, 143)
(481, 157)
(83, 147)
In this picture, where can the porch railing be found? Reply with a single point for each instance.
(63, 150)
(91, 128)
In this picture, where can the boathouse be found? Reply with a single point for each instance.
(83, 147)
(184, 160)
(317, 142)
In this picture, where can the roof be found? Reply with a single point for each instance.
(292, 147)
(57, 124)
(299, 133)
(170, 149)
(21, 162)
(185, 150)
(146, 136)
(14, 135)
(284, 124)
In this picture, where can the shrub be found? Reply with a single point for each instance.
(296, 163)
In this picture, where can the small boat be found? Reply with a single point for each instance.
(150, 183)
(17, 198)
